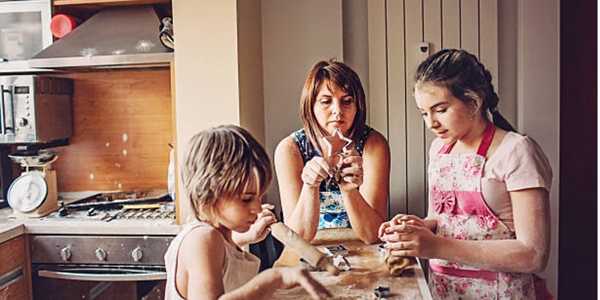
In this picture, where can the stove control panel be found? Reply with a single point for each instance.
(138, 250)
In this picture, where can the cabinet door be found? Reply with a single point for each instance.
(15, 270)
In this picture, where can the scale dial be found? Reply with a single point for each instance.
(28, 191)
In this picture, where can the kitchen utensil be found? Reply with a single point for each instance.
(310, 253)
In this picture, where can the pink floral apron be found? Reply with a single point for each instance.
(462, 213)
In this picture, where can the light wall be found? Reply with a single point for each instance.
(296, 34)
(538, 97)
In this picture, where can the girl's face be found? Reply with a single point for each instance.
(334, 109)
(239, 212)
(447, 116)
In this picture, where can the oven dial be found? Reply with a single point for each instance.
(137, 254)
(23, 122)
(101, 254)
(65, 253)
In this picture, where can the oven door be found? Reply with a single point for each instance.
(101, 273)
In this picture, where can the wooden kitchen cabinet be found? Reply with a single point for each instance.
(15, 269)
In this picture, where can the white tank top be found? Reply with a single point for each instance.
(238, 266)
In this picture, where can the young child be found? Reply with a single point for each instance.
(225, 174)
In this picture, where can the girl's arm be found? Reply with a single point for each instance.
(264, 284)
(367, 205)
(528, 253)
(201, 259)
(299, 201)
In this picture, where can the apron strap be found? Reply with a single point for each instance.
(486, 141)
(477, 274)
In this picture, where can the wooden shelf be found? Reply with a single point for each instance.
(108, 2)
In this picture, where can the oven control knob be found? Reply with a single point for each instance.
(101, 254)
(137, 254)
(65, 253)
(23, 122)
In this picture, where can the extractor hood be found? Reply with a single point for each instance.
(115, 37)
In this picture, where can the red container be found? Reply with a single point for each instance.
(62, 24)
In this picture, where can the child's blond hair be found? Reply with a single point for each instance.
(221, 162)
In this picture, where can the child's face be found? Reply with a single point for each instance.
(239, 212)
(449, 118)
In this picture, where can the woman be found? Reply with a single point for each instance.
(488, 226)
(333, 104)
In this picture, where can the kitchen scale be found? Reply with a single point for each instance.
(33, 194)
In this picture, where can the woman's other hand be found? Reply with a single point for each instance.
(351, 172)
(315, 171)
(292, 277)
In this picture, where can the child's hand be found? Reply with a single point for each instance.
(291, 277)
(259, 229)
(410, 240)
(393, 225)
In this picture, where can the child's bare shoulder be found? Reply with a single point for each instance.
(202, 240)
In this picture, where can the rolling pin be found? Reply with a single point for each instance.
(305, 250)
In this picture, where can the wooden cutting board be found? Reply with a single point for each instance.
(367, 273)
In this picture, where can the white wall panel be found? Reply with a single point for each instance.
(469, 26)
(415, 142)
(450, 24)
(397, 105)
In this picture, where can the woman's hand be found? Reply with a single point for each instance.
(410, 240)
(259, 229)
(351, 171)
(291, 277)
(316, 170)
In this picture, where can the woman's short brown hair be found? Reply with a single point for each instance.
(221, 162)
(335, 75)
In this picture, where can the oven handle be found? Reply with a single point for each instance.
(3, 110)
(90, 276)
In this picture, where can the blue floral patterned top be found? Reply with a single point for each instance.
(332, 212)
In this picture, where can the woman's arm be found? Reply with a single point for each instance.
(528, 253)
(367, 206)
(299, 201)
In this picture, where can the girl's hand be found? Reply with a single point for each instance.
(411, 240)
(260, 228)
(399, 219)
(315, 171)
(291, 277)
(351, 171)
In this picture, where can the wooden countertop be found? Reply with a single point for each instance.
(368, 271)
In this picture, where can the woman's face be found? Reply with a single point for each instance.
(335, 109)
(239, 212)
(448, 117)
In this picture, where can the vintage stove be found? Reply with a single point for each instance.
(106, 259)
